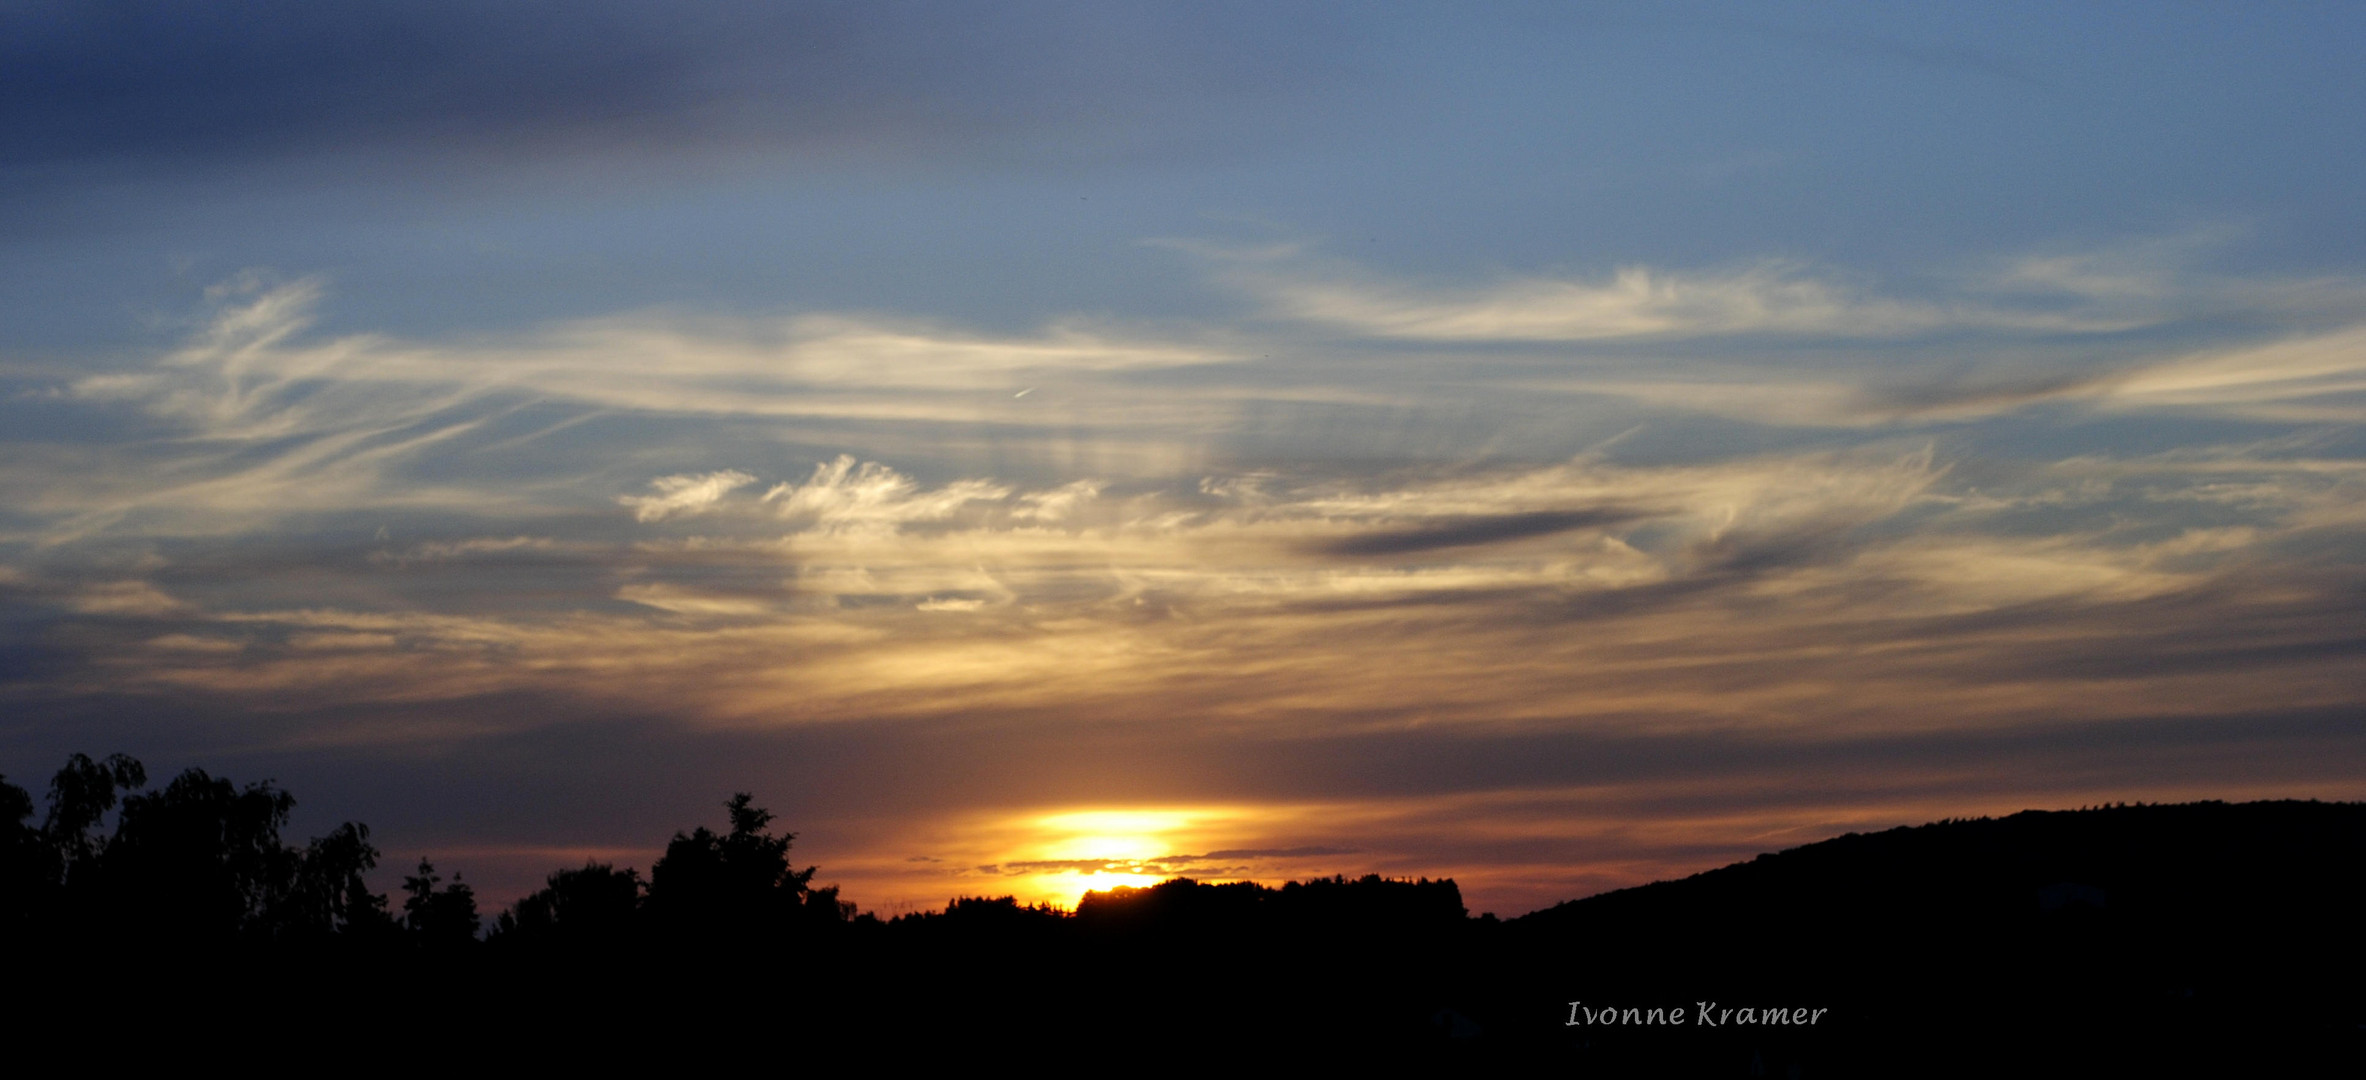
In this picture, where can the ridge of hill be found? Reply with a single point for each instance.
(2121, 940)
(2164, 857)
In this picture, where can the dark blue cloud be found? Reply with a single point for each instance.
(162, 82)
(1480, 530)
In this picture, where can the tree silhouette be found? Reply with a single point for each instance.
(79, 795)
(596, 902)
(329, 894)
(198, 863)
(737, 883)
(26, 877)
(443, 918)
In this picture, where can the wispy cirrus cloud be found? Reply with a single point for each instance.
(268, 421)
(2283, 348)
(843, 495)
(1772, 297)
(770, 399)
(1638, 302)
(265, 421)
(249, 374)
(1765, 571)
(304, 523)
(687, 494)
(2318, 378)
(1457, 694)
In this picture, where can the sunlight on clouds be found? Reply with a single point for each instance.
(845, 496)
(1776, 593)
(475, 548)
(1057, 857)
(1040, 448)
(684, 494)
(1110, 834)
(1056, 505)
(1634, 302)
(126, 598)
(1941, 576)
(2109, 290)
(276, 424)
(247, 375)
(272, 423)
(341, 641)
(1840, 589)
(839, 350)
(2320, 378)
(680, 601)
(193, 643)
(1637, 302)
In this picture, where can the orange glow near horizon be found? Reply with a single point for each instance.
(1128, 835)
(1062, 855)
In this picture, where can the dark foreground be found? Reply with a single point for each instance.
(2194, 939)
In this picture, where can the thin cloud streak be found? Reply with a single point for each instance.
(1638, 302)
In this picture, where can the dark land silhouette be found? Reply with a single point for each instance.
(2116, 941)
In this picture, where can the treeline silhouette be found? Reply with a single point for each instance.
(199, 866)
(2116, 940)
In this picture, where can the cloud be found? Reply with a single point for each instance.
(149, 83)
(1784, 646)
(125, 598)
(193, 643)
(707, 604)
(2103, 329)
(679, 495)
(1773, 298)
(1868, 578)
(267, 422)
(1477, 531)
(1057, 505)
(844, 535)
(1354, 565)
(2317, 378)
(2309, 378)
(1635, 302)
(246, 370)
(471, 548)
(1268, 853)
(843, 495)
(2305, 378)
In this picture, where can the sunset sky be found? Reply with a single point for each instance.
(1034, 447)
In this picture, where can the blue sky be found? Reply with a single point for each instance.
(1550, 445)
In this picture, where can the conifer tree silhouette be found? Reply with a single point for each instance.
(738, 884)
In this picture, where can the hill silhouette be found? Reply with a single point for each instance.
(2122, 940)
(2107, 941)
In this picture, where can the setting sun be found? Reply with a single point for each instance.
(1060, 856)
(1129, 835)
(1033, 450)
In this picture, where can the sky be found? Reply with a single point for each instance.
(1038, 447)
